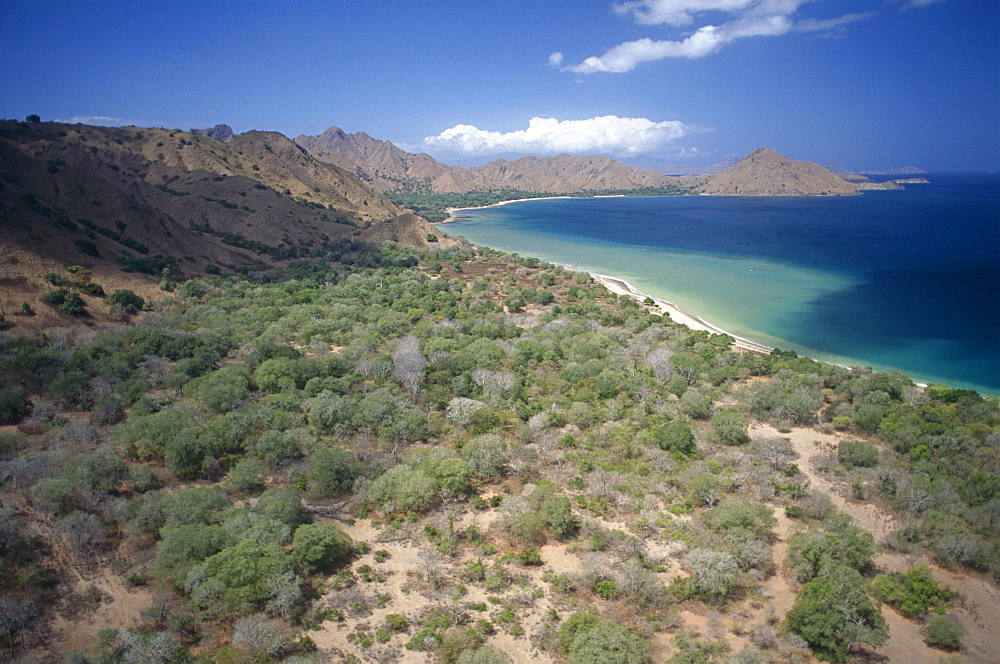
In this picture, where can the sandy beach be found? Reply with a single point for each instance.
(622, 287)
(451, 211)
(678, 315)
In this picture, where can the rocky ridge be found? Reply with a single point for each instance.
(386, 166)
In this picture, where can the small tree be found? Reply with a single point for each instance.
(320, 546)
(834, 611)
(126, 301)
(674, 437)
(730, 427)
(942, 633)
(713, 573)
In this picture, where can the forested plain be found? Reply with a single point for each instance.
(468, 457)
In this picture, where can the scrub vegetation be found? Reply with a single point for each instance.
(467, 456)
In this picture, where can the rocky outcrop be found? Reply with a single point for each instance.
(220, 132)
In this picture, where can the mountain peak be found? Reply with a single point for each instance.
(764, 172)
(220, 132)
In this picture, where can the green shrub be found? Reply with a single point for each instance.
(530, 557)
(320, 547)
(396, 622)
(913, 592)
(943, 633)
(674, 437)
(607, 589)
(282, 504)
(731, 428)
(14, 405)
(588, 639)
(558, 514)
(857, 453)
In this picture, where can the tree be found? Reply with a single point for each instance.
(262, 636)
(674, 437)
(33, 118)
(282, 504)
(409, 364)
(558, 513)
(730, 427)
(842, 543)
(486, 455)
(588, 639)
(126, 301)
(713, 573)
(246, 572)
(401, 489)
(222, 390)
(834, 612)
(183, 547)
(706, 489)
(14, 405)
(332, 472)
(320, 547)
(83, 532)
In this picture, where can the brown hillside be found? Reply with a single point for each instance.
(384, 165)
(379, 162)
(764, 172)
(96, 196)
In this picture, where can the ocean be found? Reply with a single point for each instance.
(905, 279)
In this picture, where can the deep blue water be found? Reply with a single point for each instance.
(892, 279)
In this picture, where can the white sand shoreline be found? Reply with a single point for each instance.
(622, 287)
(678, 315)
(451, 211)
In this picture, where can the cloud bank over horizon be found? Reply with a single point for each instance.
(746, 18)
(607, 134)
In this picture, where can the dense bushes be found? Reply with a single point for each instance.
(303, 386)
(913, 593)
(589, 639)
(319, 547)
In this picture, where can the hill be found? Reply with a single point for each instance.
(764, 172)
(387, 168)
(126, 203)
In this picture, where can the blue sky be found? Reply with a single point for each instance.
(869, 84)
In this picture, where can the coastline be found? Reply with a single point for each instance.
(622, 287)
(677, 315)
(451, 211)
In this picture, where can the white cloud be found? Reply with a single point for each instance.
(96, 120)
(675, 12)
(606, 134)
(746, 18)
(914, 4)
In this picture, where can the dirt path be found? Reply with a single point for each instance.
(978, 607)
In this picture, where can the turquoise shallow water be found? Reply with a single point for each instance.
(908, 280)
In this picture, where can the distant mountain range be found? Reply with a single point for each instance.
(670, 168)
(763, 172)
(386, 167)
(145, 199)
(140, 199)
